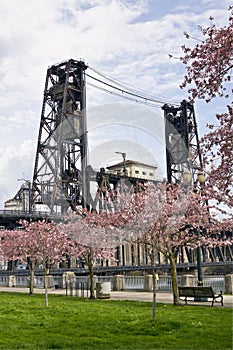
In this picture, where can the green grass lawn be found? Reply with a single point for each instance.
(72, 323)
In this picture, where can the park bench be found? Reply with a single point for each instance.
(200, 292)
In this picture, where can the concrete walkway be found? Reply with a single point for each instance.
(165, 298)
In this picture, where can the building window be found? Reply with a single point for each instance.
(151, 174)
(144, 173)
(136, 171)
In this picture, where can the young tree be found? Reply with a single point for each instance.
(94, 237)
(16, 245)
(209, 67)
(165, 217)
(38, 242)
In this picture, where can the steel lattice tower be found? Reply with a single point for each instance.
(183, 154)
(59, 178)
(184, 161)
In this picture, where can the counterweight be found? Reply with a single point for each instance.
(183, 156)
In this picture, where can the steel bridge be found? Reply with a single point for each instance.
(112, 270)
(62, 175)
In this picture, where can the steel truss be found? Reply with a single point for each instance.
(184, 164)
(108, 186)
(182, 144)
(59, 178)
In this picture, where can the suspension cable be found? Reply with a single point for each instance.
(129, 90)
(124, 96)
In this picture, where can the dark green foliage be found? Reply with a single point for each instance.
(71, 323)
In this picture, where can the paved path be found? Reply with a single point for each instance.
(165, 298)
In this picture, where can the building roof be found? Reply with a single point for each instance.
(130, 162)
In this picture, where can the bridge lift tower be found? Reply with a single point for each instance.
(62, 177)
(183, 154)
(59, 178)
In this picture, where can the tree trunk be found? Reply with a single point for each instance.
(32, 268)
(91, 274)
(154, 293)
(153, 283)
(46, 271)
(176, 300)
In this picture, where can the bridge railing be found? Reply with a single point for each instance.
(134, 282)
(4, 281)
(217, 282)
(77, 289)
(164, 283)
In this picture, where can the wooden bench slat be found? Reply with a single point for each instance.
(186, 291)
(200, 292)
(203, 292)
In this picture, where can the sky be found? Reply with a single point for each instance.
(129, 41)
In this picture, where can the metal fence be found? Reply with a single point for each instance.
(105, 279)
(216, 282)
(22, 281)
(77, 289)
(134, 282)
(39, 281)
(164, 283)
(4, 280)
(130, 282)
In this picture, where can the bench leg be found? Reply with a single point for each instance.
(215, 299)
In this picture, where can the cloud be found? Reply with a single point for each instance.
(129, 128)
(15, 162)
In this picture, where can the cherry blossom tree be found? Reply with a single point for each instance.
(158, 223)
(209, 67)
(10, 246)
(165, 217)
(98, 233)
(37, 243)
(15, 245)
(95, 237)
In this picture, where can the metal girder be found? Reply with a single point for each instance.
(59, 178)
(182, 144)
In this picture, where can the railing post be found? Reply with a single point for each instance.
(11, 281)
(229, 284)
(68, 276)
(148, 283)
(187, 280)
(118, 282)
(103, 290)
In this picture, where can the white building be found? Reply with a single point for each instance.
(134, 169)
(13, 204)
